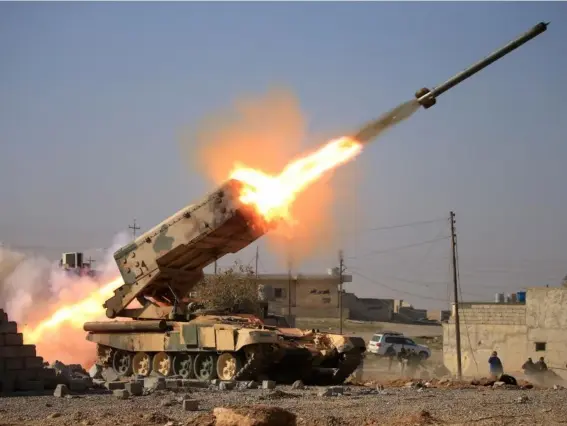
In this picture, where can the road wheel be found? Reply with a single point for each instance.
(183, 366)
(161, 364)
(122, 363)
(142, 364)
(205, 367)
(227, 366)
(423, 355)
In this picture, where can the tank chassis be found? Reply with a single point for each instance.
(169, 333)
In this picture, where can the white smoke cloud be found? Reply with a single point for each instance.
(32, 288)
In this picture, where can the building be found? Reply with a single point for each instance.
(368, 309)
(313, 295)
(533, 328)
(405, 312)
(439, 315)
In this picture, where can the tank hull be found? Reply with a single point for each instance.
(210, 350)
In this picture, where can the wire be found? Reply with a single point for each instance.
(400, 247)
(394, 289)
(422, 222)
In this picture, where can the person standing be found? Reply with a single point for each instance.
(529, 367)
(541, 365)
(496, 368)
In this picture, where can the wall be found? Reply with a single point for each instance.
(547, 323)
(368, 309)
(485, 328)
(439, 315)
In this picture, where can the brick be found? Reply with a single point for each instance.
(13, 364)
(190, 404)
(14, 339)
(114, 385)
(17, 351)
(8, 327)
(33, 362)
(121, 394)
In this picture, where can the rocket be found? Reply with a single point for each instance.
(426, 98)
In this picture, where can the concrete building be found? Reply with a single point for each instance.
(368, 309)
(515, 330)
(315, 296)
(405, 312)
(439, 315)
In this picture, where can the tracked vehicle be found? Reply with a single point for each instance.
(169, 333)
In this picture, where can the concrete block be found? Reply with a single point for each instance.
(61, 391)
(13, 339)
(173, 384)
(29, 385)
(135, 388)
(7, 327)
(17, 351)
(7, 384)
(3, 316)
(13, 364)
(33, 362)
(121, 394)
(79, 385)
(115, 385)
(226, 386)
(154, 383)
(190, 404)
(1, 340)
(268, 384)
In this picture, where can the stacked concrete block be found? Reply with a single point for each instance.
(20, 368)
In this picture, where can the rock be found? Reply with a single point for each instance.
(121, 394)
(167, 402)
(558, 387)
(226, 386)
(522, 399)
(298, 384)
(95, 372)
(331, 391)
(498, 384)
(268, 384)
(110, 375)
(54, 415)
(61, 391)
(259, 415)
(190, 404)
(79, 385)
(114, 385)
(134, 388)
(156, 383)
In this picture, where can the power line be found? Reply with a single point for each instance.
(371, 252)
(395, 289)
(421, 222)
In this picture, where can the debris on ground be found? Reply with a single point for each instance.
(256, 415)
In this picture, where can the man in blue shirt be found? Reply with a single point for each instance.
(496, 368)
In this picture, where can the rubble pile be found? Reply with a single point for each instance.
(20, 368)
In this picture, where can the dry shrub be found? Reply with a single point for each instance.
(233, 289)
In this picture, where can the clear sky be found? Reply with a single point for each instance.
(93, 97)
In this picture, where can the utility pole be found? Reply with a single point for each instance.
(134, 228)
(257, 258)
(456, 294)
(341, 270)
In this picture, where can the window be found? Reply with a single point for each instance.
(390, 339)
(409, 342)
(539, 346)
(376, 337)
(279, 293)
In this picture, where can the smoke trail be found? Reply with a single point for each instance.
(32, 288)
(376, 127)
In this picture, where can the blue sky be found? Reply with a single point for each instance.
(93, 97)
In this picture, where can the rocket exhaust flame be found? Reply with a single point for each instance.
(273, 196)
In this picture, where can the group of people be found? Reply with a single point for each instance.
(530, 368)
(408, 360)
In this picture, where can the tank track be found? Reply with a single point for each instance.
(348, 365)
(251, 368)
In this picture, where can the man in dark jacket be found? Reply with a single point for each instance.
(496, 368)
(541, 365)
(529, 367)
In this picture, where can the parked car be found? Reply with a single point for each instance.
(383, 344)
